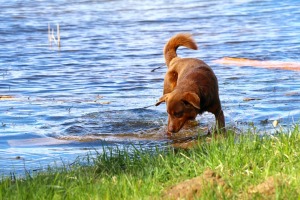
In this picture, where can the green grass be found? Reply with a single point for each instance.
(243, 162)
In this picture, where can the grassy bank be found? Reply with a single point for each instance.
(247, 166)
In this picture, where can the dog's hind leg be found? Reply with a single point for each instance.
(170, 82)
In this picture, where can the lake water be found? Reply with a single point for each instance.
(98, 89)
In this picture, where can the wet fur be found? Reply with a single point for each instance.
(190, 86)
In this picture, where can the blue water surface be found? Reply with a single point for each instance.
(99, 83)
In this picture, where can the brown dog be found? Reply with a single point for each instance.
(190, 86)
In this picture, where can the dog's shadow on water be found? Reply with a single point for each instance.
(135, 126)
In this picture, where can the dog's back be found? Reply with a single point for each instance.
(180, 67)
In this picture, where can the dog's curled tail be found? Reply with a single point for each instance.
(181, 39)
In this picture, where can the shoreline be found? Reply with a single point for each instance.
(234, 166)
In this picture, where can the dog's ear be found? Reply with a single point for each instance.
(162, 99)
(192, 98)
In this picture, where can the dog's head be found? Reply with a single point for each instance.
(181, 107)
